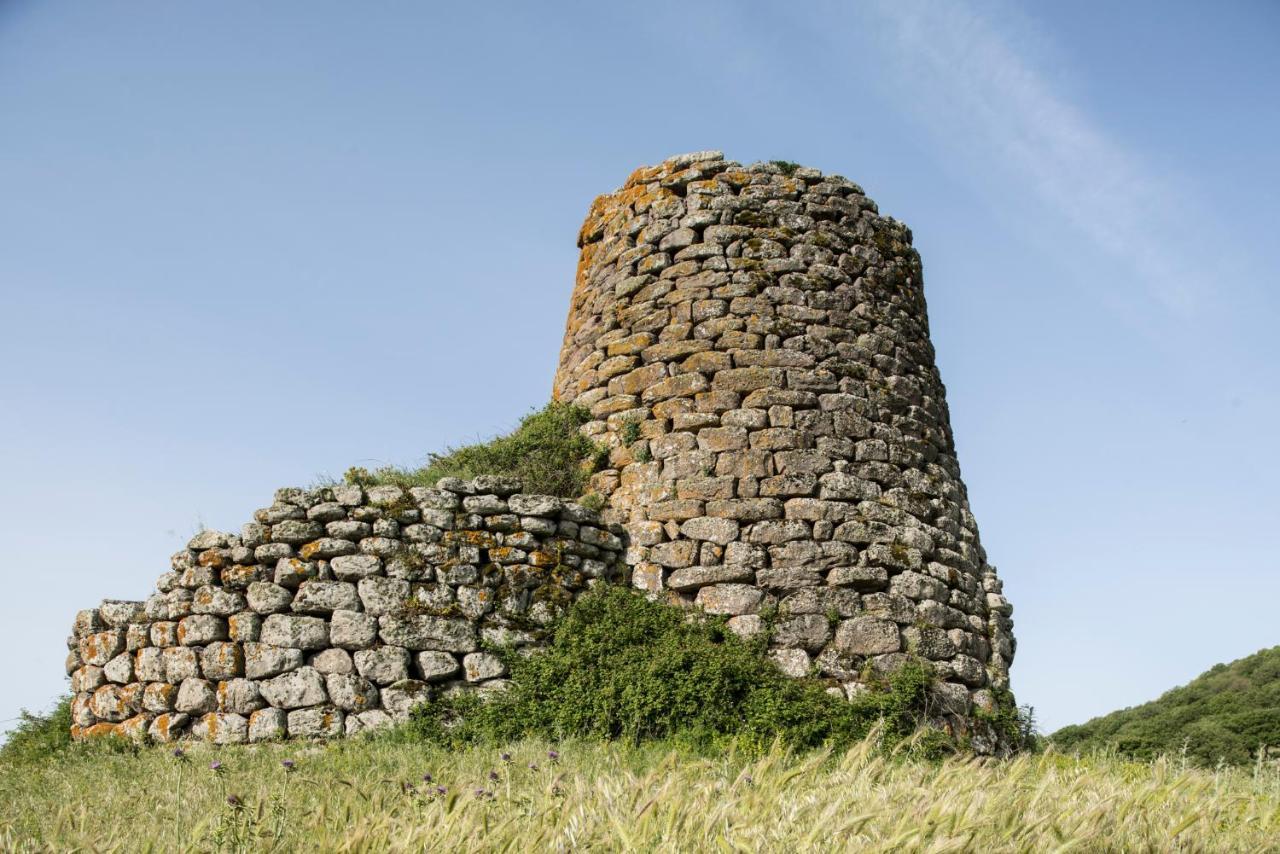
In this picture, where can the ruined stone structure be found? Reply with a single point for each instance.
(336, 610)
(753, 345)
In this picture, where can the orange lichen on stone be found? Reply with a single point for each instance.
(162, 726)
(99, 730)
(481, 539)
(213, 558)
(134, 729)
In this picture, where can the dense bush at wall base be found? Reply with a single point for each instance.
(620, 666)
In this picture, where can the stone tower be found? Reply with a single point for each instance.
(754, 346)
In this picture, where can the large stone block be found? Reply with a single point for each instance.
(293, 630)
(295, 689)
(420, 632)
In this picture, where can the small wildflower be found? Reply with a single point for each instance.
(287, 764)
(749, 780)
(480, 793)
(234, 800)
(506, 757)
(493, 775)
(215, 766)
(179, 753)
(441, 790)
(553, 755)
(427, 778)
(533, 766)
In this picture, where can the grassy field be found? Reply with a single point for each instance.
(371, 795)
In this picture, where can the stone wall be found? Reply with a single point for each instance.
(335, 610)
(754, 345)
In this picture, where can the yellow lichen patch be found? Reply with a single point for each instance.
(295, 568)
(99, 730)
(131, 695)
(541, 558)
(159, 695)
(210, 722)
(239, 575)
(310, 550)
(480, 539)
(213, 558)
(161, 726)
(134, 729)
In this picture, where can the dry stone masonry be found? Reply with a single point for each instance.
(754, 346)
(336, 610)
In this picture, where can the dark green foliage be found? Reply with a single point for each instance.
(545, 451)
(38, 737)
(1014, 724)
(1222, 715)
(622, 667)
(787, 167)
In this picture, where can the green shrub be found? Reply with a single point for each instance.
(622, 667)
(38, 737)
(545, 451)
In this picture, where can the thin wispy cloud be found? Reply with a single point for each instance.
(978, 89)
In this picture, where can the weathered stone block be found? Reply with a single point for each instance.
(324, 597)
(221, 728)
(353, 630)
(351, 693)
(295, 689)
(479, 666)
(201, 629)
(268, 724)
(383, 665)
(867, 636)
(263, 660)
(730, 599)
(420, 632)
(293, 630)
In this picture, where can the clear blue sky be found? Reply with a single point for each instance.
(246, 244)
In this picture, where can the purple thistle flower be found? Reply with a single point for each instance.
(215, 766)
(493, 775)
(553, 755)
(427, 778)
(506, 757)
(441, 790)
(480, 793)
(287, 764)
(533, 766)
(179, 753)
(234, 800)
